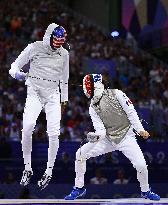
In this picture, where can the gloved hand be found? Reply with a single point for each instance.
(144, 134)
(21, 76)
(92, 137)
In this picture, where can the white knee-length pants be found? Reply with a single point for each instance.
(129, 147)
(36, 100)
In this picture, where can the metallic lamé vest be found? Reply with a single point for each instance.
(112, 115)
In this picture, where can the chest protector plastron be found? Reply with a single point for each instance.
(112, 115)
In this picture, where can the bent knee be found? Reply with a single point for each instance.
(28, 128)
(53, 131)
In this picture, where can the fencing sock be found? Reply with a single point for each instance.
(142, 177)
(80, 169)
(27, 149)
(52, 152)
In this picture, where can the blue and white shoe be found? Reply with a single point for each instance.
(150, 195)
(76, 193)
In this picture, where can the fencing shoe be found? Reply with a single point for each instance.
(44, 181)
(26, 177)
(76, 193)
(150, 195)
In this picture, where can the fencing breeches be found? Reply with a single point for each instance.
(129, 147)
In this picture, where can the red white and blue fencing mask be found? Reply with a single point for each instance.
(58, 37)
(93, 86)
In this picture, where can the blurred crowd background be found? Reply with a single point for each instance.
(140, 75)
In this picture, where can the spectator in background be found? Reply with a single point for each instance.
(16, 24)
(28, 20)
(65, 162)
(136, 69)
(65, 158)
(99, 178)
(14, 132)
(120, 177)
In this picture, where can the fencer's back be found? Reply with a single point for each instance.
(112, 115)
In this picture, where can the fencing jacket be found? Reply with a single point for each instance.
(48, 67)
(114, 116)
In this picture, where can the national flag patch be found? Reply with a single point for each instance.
(97, 77)
(129, 102)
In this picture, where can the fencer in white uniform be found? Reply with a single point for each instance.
(49, 71)
(115, 122)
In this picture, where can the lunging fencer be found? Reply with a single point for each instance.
(115, 121)
(49, 71)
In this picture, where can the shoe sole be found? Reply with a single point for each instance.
(151, 199)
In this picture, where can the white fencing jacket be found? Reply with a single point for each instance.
(129, 109)
(48, 67)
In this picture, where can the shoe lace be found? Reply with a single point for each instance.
(151, 193)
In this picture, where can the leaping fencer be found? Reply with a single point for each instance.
(49, 70)
(115, 121)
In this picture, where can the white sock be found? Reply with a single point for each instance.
(27, 162)
(80, 169)
(52, 153)
(49, 171)
(143, 179)
(27, 149)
